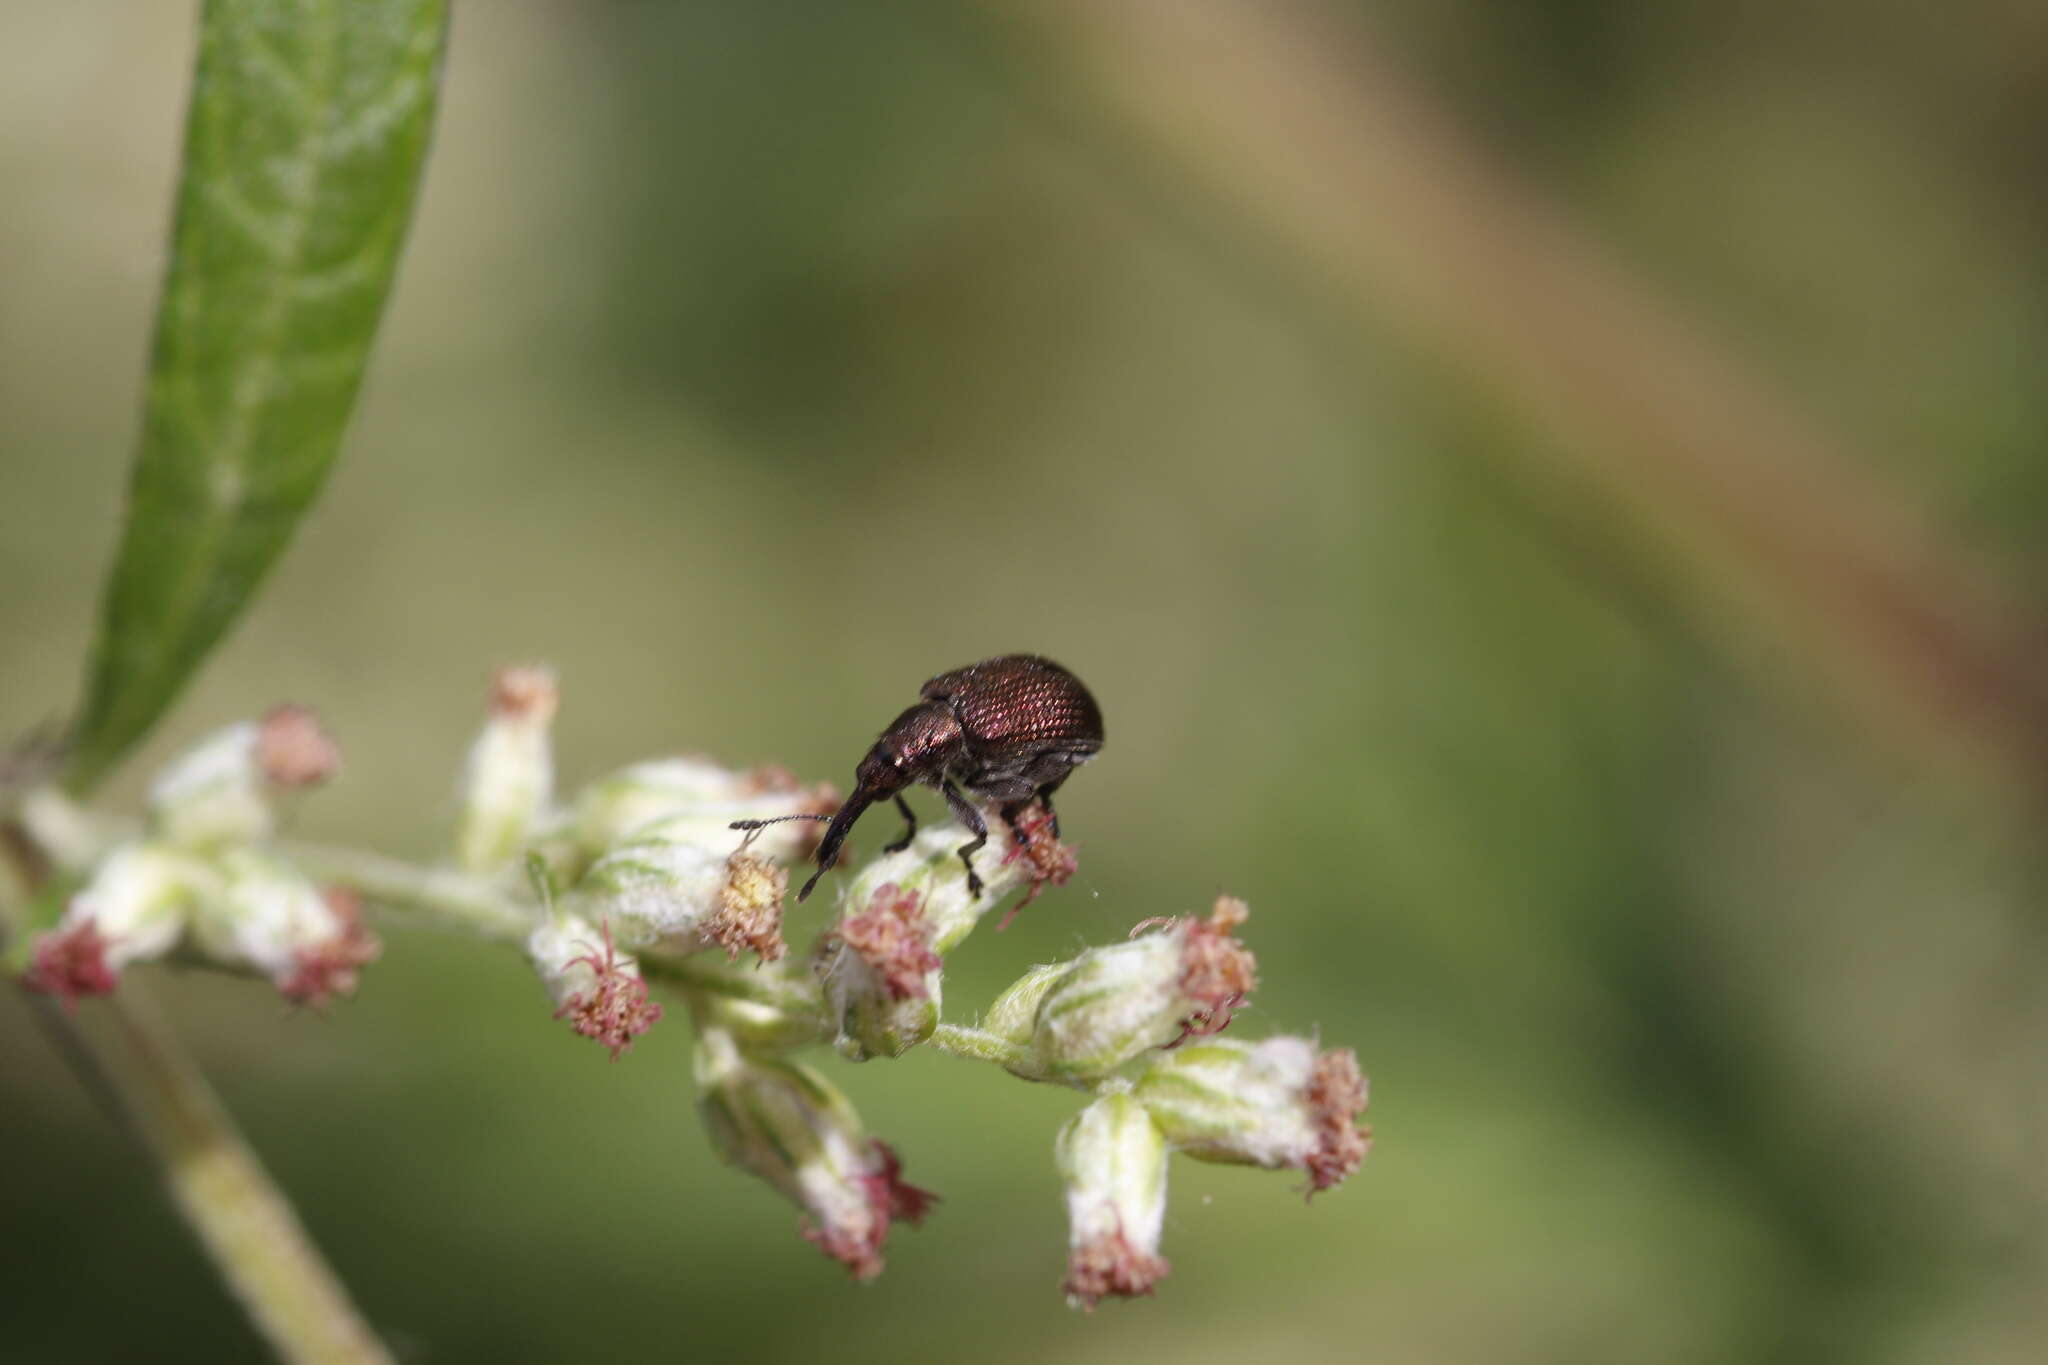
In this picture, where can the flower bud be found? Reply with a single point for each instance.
(510, 776)
(881, 975)
(1014, 1014)
(222, 790)
(1278, 1104)
(594, 987)
(789, 1126)
(901, 914)
(930, 868)
(311, 943)
(682, 898)
(694, 800)
(1180, 979)
(134, 909)
(1113, 1160)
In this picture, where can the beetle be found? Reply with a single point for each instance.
(1009, 730)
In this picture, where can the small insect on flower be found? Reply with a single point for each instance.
(1008, 730)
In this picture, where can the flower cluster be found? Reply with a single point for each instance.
(662, 877)
(204, 875)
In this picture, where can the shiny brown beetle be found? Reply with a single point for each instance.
(1009, 730)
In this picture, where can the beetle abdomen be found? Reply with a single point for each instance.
(1023, 703)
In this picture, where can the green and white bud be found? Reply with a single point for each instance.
(789, 1126)
(1113, 1159)
(1113, 1003)
(141, 898)
(694, 800)
(930, 868)
(881, 975)
(1014, 1014)
(1279, 1103)
(509, 779)
(882, 967)
(224, 789)
(681, 898)
(268, 916)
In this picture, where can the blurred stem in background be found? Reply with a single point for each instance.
(1291, 125)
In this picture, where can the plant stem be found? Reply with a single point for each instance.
(450, 899)
(244, 1221)
(978, 1045)
(761, 986)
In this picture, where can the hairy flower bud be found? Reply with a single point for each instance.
(134, 909)
(1014, 1015)
(510, 776)
(1279, 1104)
(682, 898)
(899, 916)
(1113, 1160)
(789, 1126)
(694, 800)
(881, 976)
(597, 989)
(1179, 979)
(311, 943)
(223, 789)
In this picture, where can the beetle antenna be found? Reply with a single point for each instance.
(775, 820)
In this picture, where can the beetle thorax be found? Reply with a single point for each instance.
(916, 747)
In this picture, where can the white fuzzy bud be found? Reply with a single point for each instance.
(268, 916)
(883, 968)
(140, 900)
(1279, 1103)
(1113, 1160)
(786, 1124)
(1113, 1003)
(509, 778)
(694, 800)
(681, 898)
(223, 790)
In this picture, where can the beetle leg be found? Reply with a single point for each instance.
(971, 818)
(1011, 810)
(909, 827)
(1045, 799)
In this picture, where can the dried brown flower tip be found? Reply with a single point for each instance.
(293, 749)
(71, 963)
(893, 937)
(1108, 1266)
(1336, 1097)
(750, 907)
(615, 1010)
(334, 968)
(526, 692)
(1217, 971)
(1048, 862)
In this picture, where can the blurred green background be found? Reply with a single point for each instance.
(754, 362)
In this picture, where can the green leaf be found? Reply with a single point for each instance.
(308, 125)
